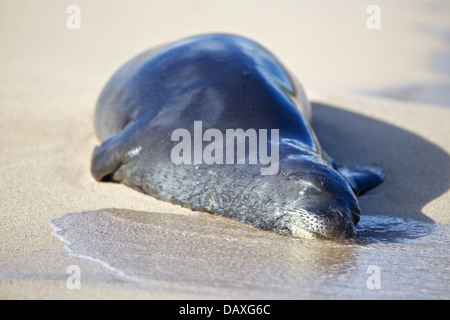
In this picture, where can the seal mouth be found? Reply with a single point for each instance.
(304, 233)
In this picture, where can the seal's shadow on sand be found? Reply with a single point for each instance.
(417, 170)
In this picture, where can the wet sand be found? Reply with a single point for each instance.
(52, 76)
(221, 258)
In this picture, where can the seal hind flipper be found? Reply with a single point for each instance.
(362, 179)
(111, 154)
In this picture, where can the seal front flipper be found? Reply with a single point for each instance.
(113, 153)
(362, 179)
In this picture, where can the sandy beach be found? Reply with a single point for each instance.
(379, 97)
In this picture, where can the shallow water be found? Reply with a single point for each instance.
(393, 258)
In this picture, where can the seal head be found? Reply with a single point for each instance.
(326, 206)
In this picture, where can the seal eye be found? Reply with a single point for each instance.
(309, 184)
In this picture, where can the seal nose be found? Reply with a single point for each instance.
(341, 224)
(355, 214)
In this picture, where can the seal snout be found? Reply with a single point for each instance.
(333, 223)
(327, 208)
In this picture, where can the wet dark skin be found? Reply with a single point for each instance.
(227, 82)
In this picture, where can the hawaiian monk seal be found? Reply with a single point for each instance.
(204, 87)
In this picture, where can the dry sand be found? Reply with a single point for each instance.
(51, 76)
